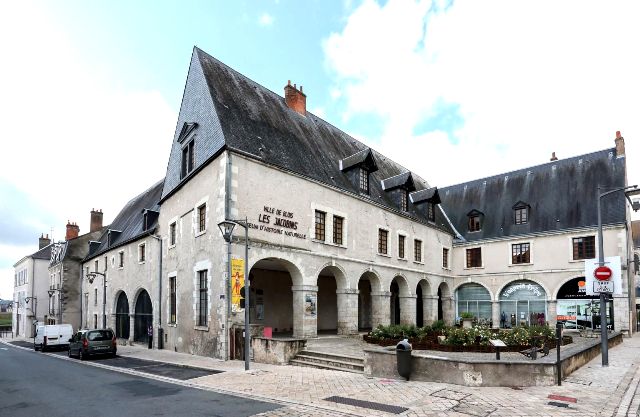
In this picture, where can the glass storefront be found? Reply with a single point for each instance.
(523, 303)
(475, 299)
(577, 310)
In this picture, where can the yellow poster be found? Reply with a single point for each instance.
(237, 282)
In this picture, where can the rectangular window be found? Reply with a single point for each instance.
(474, 223)
(445, 258)
(431, 212)
(417, 250)
(95, 321)
(95, 264)
(120, 259)
(474, 258)
(172, 234)
(403, 200)
(203, 298)
(142, 255)
(86, 271)
(86, 304)
(401, 240)
(382, 241)
(172, 300)
(337, 230)
(520, 253)
(584, 247)
(202, 218)
(521, 215)
(320, 225)
(188, 160)
(364, 180)
(95, 296)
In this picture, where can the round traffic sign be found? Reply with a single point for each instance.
(602, 273)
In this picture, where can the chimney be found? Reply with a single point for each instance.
(553, 157)
(96, 220)
(619, 144)
(73, 230)
(43, 241)
(296, 100)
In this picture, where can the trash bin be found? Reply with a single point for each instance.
(403, 356)
(160, 338)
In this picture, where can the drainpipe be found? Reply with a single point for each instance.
(160, 344)
(227, 215)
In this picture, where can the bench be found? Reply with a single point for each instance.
(533, 351)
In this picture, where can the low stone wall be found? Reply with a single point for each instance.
(276, 351)
(381, 362)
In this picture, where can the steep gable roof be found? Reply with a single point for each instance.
(128, 224)
(561, 195)
(235, 113)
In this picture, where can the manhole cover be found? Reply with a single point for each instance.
(388, 408)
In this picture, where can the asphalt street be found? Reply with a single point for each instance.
(33, 384)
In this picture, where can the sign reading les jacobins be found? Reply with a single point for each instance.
(278, 221)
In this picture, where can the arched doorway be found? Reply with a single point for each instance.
(330, 319)
(143, 317)
(523, 302)
(122, 316)
(475, 299)
(444, 303)
(367, 284)
(422, 310)
(399, 303)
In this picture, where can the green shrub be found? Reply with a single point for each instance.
(438, 326)
(458, 336)
(467, 315)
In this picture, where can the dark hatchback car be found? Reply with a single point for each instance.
(87, 343)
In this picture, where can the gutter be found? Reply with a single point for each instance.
(227, 211)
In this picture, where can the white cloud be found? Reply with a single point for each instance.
(73, 141)
(266, 19)
(529, 79)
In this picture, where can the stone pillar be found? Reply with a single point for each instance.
(305, 311)
(429, 309)
(347, 310)
(552, 313)
(407, 309)
(132, 324)
(380, 311)
(448, 312)
(495, 314)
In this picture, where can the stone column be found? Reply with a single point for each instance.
(552, 313)
(495, 314)
(380, 310)
(305, 311)
(347, 310)
(407, 309)
(132, 324)
(429, 309)
(448, 312)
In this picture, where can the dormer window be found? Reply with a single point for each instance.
(521, 213)
(431, 212)
(403, 200)
(364, 180)
(475, 220)
(188, 159)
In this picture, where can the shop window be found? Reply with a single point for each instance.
(475, 299)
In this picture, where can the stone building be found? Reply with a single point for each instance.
(525, 236)
(127, 256)
(65, 272)
(342, 238)
(30, 289)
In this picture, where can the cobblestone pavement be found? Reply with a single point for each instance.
(597, 391)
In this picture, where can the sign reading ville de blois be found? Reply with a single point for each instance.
(278, 221)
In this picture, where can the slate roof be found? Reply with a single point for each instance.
(561, 195)
(429, 194)
(363, 157)
(233, 111)
(130, 221)
(44, 253)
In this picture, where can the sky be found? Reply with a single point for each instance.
(452, 90)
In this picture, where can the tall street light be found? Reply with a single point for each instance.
(226, 227)
(603, 303)
(91, 276)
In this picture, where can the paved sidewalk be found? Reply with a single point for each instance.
(598, 391)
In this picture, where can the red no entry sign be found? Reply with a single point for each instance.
(602, 273)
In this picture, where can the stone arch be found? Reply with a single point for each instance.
(369, 290)
(444, 306)
(374, 278)
(122, 312)
(522, 305)
(331, 282)
(402, 303)
(338, 273)
(491, 294)
(423, 302)
(289, 266)
(505, 284)
(143, 315)
(561, 283)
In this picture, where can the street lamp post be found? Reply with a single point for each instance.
(35, 311)
(226, 227)
(91, 276)
(603, 300)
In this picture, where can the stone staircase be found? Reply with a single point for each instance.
(325, 360)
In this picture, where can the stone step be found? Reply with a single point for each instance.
(357, 366)
(297, 362)
(328, 355)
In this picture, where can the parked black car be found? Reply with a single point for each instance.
(88, 343)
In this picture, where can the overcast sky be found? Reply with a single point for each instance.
(90, 91)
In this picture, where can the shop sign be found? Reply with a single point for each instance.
(565, 318)
(534, 289)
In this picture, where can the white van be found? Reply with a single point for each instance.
(52, 335)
